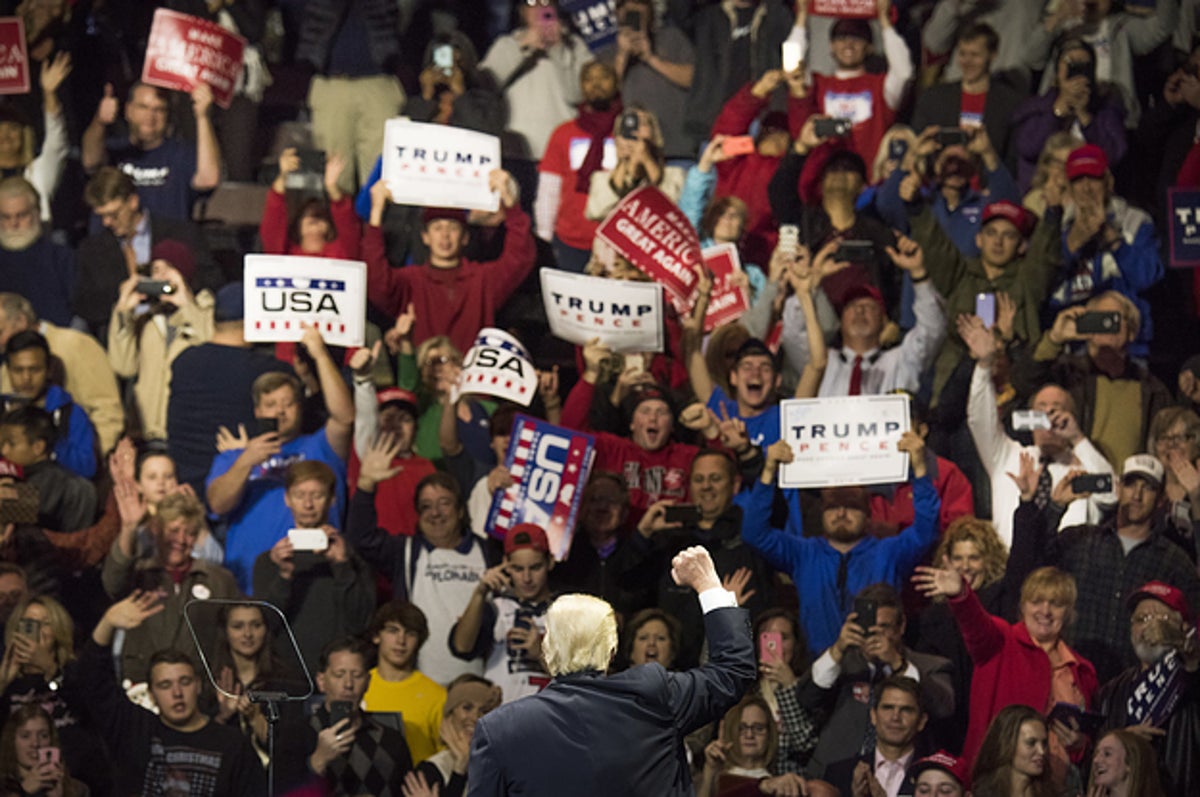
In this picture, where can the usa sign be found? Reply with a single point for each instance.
(285, 292)
(651, 232)
(625, 315)
(184, 51)
(550, 466)
(14, 58)
(439, 165)
(498, 365)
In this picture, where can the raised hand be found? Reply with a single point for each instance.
(228, 441)
(54, 72)
(376, 466)
(134, 610)
(362, 362)
(1026, 477)
(736, 582)
(981, 343)
(1063, 493)
(935, 582)
(693, 567)
(908, 255)
(106, 111)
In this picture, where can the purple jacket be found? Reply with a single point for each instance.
(1035, 122)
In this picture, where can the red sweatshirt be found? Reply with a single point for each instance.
(273, 229)
(649, 475)
(394, 504)
(889, 515)
(859, 99)
(458, 301)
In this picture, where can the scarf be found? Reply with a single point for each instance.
(598, 125)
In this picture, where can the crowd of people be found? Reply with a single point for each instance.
(969, 202)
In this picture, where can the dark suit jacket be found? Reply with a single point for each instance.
(586, 734)
(941, 104)
(102, 268)
(849, 714)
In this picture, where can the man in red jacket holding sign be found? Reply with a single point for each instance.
(450, 295)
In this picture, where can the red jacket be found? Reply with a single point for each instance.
(748, 176)
(1009, 667)
(274, 228)
(455, 301)
(649, 475)
(859, 98)
(890, 514)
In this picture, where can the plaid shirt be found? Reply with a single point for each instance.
(797, 733)
(1105, 577)
(376, 764)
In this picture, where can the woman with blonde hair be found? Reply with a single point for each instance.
(1124, 765)
(640, 162)
(745, 749)
(1051, 169)
(1026, 662)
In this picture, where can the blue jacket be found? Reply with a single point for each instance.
(76, 446)
(814, 564)
(587, 735)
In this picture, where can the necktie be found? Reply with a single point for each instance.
(1041, 496)
(856, 376)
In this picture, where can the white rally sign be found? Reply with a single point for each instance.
(498, 365)
(439, 165)
(625, 315)
(283, 292)
(844, 440)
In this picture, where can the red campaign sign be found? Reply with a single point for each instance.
(728, 299)
(857, 9)
(185, 51)
(651, 232)
(14, 60)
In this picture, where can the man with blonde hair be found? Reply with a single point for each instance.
(622, 734)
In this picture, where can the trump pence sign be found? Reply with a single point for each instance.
(439, 165)
(625, 315)
(844, 440)
(283, 293)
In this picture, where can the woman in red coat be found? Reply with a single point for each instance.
(317, 230)
(1025, 662)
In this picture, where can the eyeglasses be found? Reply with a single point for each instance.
(757, 728)
(1169, 439)
(442, 504)
(440, 359)
(1144, 619)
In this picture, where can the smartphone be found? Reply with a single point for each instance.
(1092, 483)
(28, 627)
(832, 128)
(339, 710)
(443, 58)
(1085, 69)
(985, 308)
(523, 619)
(770, 646)
(1028, 420)
(629, 125)
(1098, 323)
(855, 252)
(866, 611)
(547, 19)
(951, 137)
(308, 539)
(738, 145)
(789, 239)
(311, 160)
(897, 149)
(48, 755)
(634, 364)
(153, 288)
(268, 425)
(633, 19)
(687, 514)
(791, 56)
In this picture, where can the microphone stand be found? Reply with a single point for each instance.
(270, 702)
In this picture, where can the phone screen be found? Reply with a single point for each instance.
(985, 308)
(770, 646)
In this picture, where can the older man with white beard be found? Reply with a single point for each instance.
(30, 263)
(1162, 623)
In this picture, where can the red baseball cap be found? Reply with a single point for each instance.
(526, 535)
(398, 395)
(10, 469)
(432, 214)
(862, 290)
(1087, 161)
(1163, 593)
(1021, 218)
(954, 767)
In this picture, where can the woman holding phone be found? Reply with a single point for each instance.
(30, 758)
(38, 643)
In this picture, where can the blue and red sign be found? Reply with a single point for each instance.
(550, 466)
